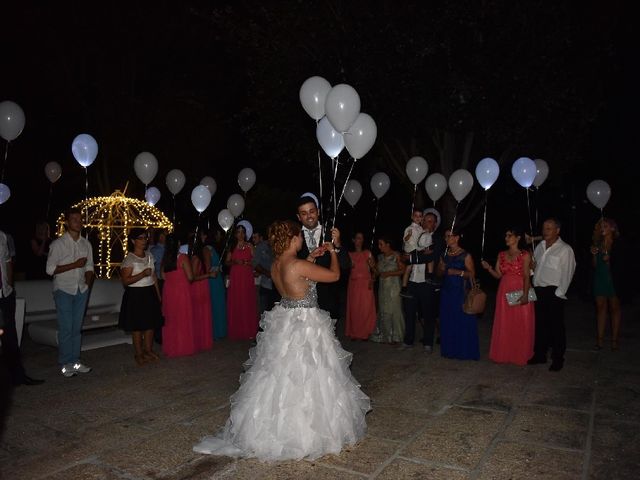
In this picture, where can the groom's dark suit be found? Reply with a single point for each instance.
(328, 293)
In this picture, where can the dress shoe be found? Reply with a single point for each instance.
(556, 366)
(536, 360)
(30, 381)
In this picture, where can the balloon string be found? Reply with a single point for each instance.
(533, 241)
(335, 176)
(86, 200)
(484, 222)
(320, 214)
(226, 243)
(344, 187)
(49, 201)
(446, 250)
(536, 207)
(4, 163)
(375, 220)
(413, 200)
(174, 209)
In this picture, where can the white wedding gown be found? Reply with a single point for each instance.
(297, 398)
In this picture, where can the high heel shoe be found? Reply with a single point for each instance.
(598, 346)
(614, 345)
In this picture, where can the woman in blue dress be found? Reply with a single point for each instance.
(458, 330)
(217, 289)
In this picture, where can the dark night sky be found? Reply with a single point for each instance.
(195, 85)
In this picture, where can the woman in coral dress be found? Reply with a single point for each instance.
(242, 313)
(177, 306)
(361, 302)
(513, 330)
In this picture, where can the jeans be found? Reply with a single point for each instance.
(70, 311)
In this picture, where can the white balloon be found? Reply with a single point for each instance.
(246, 179)
(175, 181)
(460, 184)
(487, 172)
(313, 94)
(5, 193)
(152, 196)
(598, 193)
(361, 136)
(342, 107)
(417, 168)
(85, 149)
(435, 185)
(524, 171)
(331, 141)
(542, 172)
(210, 183)
(200, 198)
(380, 184)
(53, 171)
(235, 204)
(146, 167)
(11, 120)
(225, 219)
(352, 192)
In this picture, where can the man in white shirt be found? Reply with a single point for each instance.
(555, 265)
(70, 262)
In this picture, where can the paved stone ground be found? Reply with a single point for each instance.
(431, 418)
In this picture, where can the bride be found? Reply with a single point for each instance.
(297, 398)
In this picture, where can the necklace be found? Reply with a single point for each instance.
(456, 253)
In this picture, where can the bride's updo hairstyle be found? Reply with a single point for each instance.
(280, 234)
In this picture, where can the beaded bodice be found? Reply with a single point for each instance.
(310, 299)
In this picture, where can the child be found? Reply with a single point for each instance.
(410, 243)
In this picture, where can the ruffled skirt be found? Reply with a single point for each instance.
(297, 398)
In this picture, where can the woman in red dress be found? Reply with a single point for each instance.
(242, 314)
(513, 330)
(361, 302)
(177, 306)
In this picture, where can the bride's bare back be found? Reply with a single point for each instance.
(291, 275)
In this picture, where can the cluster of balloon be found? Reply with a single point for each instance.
(417, 168)
(11, 125)
(487, 172)
(380, 184)
(339, 124)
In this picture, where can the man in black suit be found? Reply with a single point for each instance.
(312, 234)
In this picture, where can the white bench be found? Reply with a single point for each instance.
(35, 308)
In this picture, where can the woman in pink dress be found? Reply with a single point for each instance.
(513, 330)
(242, 314)
(178, 337)
(361, 302)
(201, 298)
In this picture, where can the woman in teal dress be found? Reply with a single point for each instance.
(217, 289)
(605, 235)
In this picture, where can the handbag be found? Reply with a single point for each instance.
(513, 298)
(475, 299)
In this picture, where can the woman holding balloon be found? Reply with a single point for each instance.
(609, 282)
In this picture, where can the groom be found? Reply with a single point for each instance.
(328, 293)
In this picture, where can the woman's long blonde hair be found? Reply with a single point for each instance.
(280, 234)
(597, 238)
